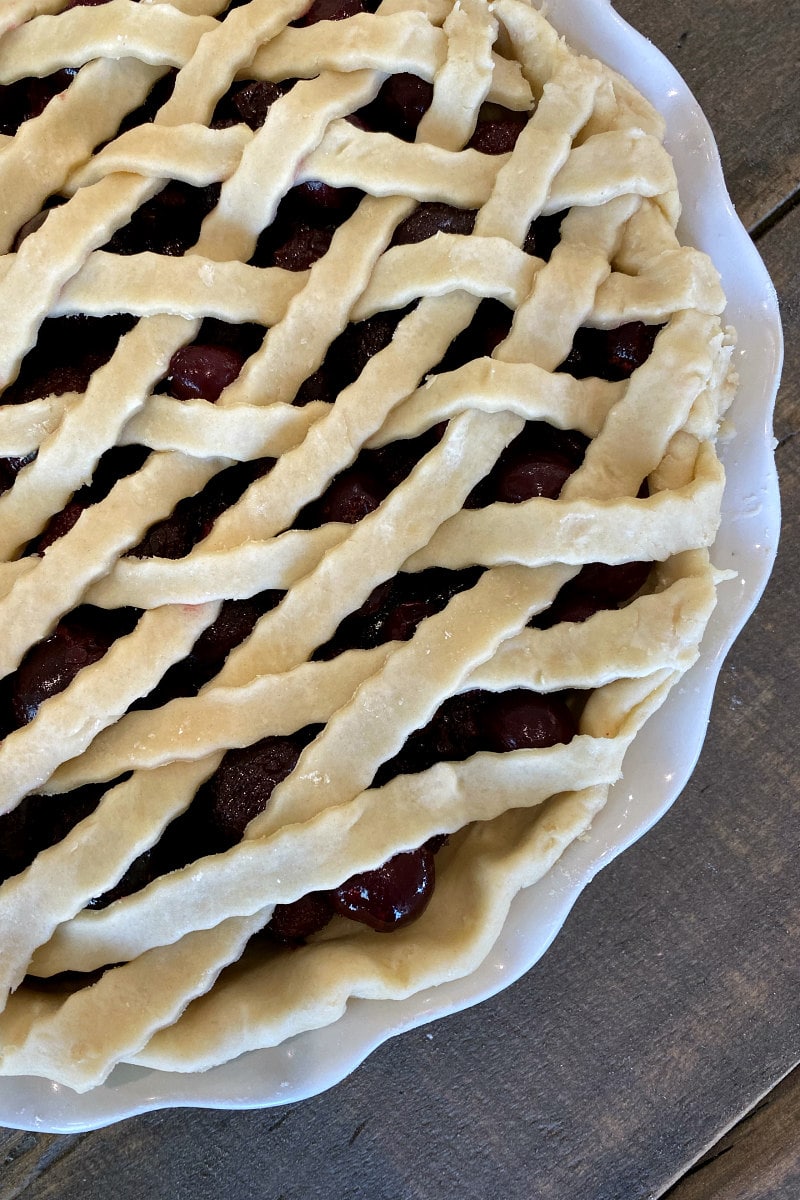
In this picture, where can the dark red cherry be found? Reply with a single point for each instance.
(169, 223)
(455, 730)
(390, 896)
(574, 607)
(351, 496)
(60, 524)
(202, 372)
(630, 345)
(523, 720)
(251, 102)
(42, 821)
(402, 621)
(429, 219)
(540, 475)
(291, 923)
(303, 246)
(52, 664)
(331, 10)
(497, 130)
(12, 107)
(325, 202)
(318, 388)
(597, 586)
(399, 106)
(10, 469)
(358, 343)
(244, 781)
(488, 328)
(614, 583)
(543, 236)
(612, 354)
(236, 621)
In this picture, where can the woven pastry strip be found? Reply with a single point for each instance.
(174, 978)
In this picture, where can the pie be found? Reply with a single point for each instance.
(357, 454)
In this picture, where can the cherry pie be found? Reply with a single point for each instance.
(358, 471)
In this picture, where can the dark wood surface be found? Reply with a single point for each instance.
(759, 1157)
(667, 1008)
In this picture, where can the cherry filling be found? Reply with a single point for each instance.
(202, 371)
(398, 892)
(39, 822)
(335, 10)
(432, 218)
(304, 225)
(612, 354)
(80, 639)
(360, 488)
(483, 721)
(236, 621)
(10, 469)
(68, 352)
(114, 465)
(497, 129)
(488, 328)
(169, 223)
(395, 608)
(398, 107)
(193, 518)
(536, 464)
(248, 103)
(29, 98)
(597, 586)
(392, 895)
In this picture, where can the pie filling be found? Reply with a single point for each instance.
(538, 462)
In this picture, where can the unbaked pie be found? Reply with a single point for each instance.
(358, 469)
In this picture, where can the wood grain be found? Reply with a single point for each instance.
(741, 59)
(669, 1002)
(758, 1160)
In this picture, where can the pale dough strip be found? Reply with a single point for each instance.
(66, 723)
(395, 42)
(592, 531)
(310, 612)
(493, 385)
(91, 859)
(383, 165)
(263, 1000)
(294, 861)
(588, 530)
(59, 578)
(114, 1018)
(82, 1008)
(652, 632)
(239, 432)
(36, 162)
(151, 33)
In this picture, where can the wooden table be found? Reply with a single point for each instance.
(667, 1009)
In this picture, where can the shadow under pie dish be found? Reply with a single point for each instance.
(360, 473)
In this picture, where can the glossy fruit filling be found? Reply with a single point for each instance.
(536, 464)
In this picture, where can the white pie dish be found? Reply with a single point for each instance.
(665, 752)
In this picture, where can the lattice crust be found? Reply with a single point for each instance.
(173, 977)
